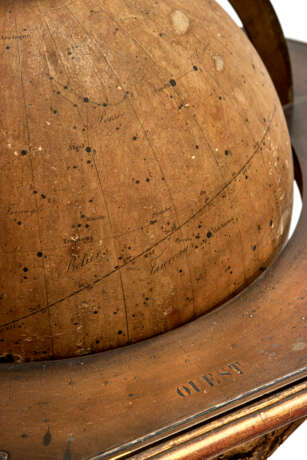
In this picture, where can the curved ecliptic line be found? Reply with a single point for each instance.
(197, 213)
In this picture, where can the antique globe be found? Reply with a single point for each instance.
(146, 171)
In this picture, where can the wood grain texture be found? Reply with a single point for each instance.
(146, 171)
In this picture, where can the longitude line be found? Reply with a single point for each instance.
(106, 205)
(154, 154)
(195, 214)
(231, 97)
(33, 180)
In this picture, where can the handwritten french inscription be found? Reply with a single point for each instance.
(15, 37)
(158, 265)
(209, 380)
(76, 147)
(77, 262)
(105, 117)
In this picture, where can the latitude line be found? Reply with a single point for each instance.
(230, 96)
(100, 182)
(95, 166)
(216, 81)
(136, 42)
(278, 209)
(187, 221)
(194, 119)
(145, 135)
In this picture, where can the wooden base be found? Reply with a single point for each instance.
(197, 391)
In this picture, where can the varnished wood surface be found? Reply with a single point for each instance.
(261, 448)
(121, 400)
(146, 171)
(222, 437)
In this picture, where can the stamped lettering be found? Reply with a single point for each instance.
(211, 379)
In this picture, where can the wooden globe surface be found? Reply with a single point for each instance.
(146, 171)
